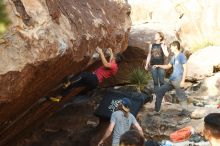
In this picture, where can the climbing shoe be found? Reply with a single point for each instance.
(55, 99)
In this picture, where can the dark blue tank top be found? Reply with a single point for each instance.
(157, 55)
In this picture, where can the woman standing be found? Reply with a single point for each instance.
(156, 55)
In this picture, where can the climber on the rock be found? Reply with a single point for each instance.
(92, 79)
(177, 79)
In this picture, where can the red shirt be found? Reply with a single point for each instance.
(104, 72)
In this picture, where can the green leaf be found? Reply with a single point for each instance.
(139, 76)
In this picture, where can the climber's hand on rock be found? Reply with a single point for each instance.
(110, 50)
(99, 50)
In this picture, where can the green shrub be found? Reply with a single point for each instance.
(139, 77)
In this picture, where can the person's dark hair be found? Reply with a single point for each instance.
(161, 35)
(212, 123)
(176, 43)
(119, 58)
(132, 137)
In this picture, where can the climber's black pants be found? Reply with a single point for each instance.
(87, 79)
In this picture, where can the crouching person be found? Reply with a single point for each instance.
(92, 79)
(121, 121)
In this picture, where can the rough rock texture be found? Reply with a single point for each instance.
(73, 125)
(143, 34)
(195, 21)
(63, 128)
(209, 86)
(201, 64)
(49, 40)
(161, 126)
(139, 12)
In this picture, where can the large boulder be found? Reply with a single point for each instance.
(78, 127)
(195, 22)
(142, 34)
(48, 40)
(152, 11)
(140, 12)
(208, 87)
(201, 64)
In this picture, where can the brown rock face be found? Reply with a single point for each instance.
(68, 127)
(49, 40)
